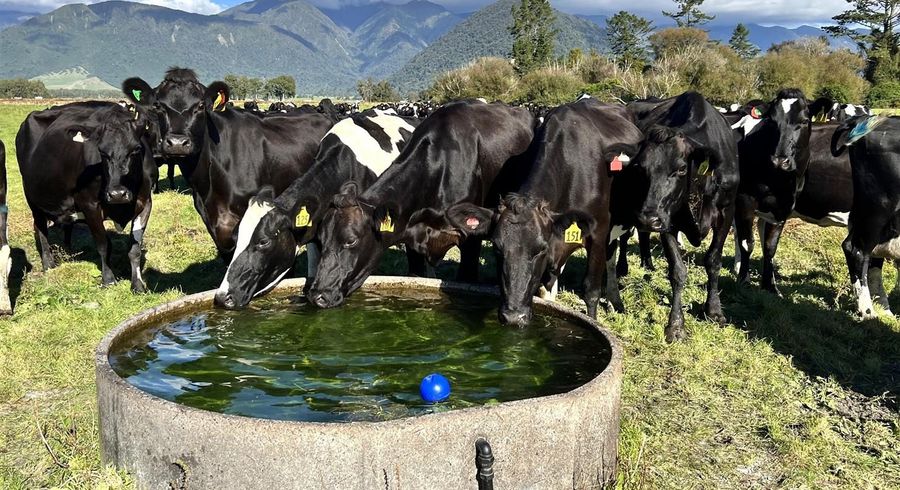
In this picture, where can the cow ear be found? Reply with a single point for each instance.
(265, 194)
(471, 219)
(217, 96)
(139, 92)
(89, 149)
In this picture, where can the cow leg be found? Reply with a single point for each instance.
(171, 177)
(713, 263)
(677, 277)
(136, 248)
(770, 246)
(470, 253)
(67, 236)
(743, 242)
(610, 278)
(94, 219)
(553, 292)
(876, 283)
(417, 264)
(596, 270)
(622, 264)
(42, 241)
(644, 245)
(5, 263)
(858, 265)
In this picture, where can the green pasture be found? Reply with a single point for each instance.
(792, 393)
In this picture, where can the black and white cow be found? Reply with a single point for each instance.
(358, 149)
(684, 179)
(874, 222)
(841, 112)
(228, 155)
(92, 159)
(465, 152)
(562, 206)
(5, 258)
(774, 156)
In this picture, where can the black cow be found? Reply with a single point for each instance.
(684, 179)
(774, 156)
(94, 159)
(357, 149)
(456, 155)
(5, 259)
(562, 206)
(234, 153)
(874, 224)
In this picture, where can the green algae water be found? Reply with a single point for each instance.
(360, 362)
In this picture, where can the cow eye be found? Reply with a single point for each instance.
(352, 243)
(263, 243)
(681, 171)
(201, 106)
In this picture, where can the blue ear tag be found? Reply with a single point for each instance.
(863, 128)
(137, 94)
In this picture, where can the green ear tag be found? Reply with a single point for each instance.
(302, 220)
(704, 167)
(572, 234)
(137, 94)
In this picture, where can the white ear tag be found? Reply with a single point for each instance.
(79, 138)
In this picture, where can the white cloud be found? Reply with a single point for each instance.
(196, 6)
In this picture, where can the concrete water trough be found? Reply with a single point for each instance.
(567, 440)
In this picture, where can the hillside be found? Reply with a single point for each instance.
(75, 79)
(115, 40)
(485, 33)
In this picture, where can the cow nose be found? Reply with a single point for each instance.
(654, 223)
(783, 163)
(326, 300)
(118, 196)
(178, 143)
(224, 300)
(514, 317)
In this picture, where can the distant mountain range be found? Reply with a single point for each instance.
(325, 50)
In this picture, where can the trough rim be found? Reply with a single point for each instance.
(105, 371)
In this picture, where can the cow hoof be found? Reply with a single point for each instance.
(621, 271)
(138, 288)
(868, 314)
(717, 317)
(774, 290)
(676, 333)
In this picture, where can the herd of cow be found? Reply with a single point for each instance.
(538, 183)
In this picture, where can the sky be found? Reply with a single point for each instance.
(781, 12)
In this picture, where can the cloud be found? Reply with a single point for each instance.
(196, 6)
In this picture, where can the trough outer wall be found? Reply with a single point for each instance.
(561, 441)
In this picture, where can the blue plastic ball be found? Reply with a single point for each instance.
(434, 388)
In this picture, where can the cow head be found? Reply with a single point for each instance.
(116, 140)
(788, 124)
(181, 103)
(665, 161)
(264, 252)
(529, 240)
(352, 244)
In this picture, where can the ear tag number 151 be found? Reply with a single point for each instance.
(572, 234)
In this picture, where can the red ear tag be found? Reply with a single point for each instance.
(615, 165)
(472, 222)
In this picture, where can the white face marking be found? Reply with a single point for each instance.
(787, 103)
(734, 107)
(367, 151)
(617, 231)
(272, 285)
(850, 110)
(385, 112)
(746, 123)
(745, 246)
(481, 99)
(137, 225)
(255, 212)
(79, 138)
(830, 219)
(585, 96)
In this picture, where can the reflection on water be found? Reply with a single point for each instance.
(363, 361)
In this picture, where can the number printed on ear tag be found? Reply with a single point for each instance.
(704, 167)
(302, 220)
(387, 226)
(572, 234)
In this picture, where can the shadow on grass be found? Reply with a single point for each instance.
(19, 270)
(163, 184)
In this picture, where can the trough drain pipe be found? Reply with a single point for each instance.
(484, 463)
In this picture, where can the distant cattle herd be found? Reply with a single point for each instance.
(539, 182)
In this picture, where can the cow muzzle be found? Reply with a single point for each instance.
(177, 144)
(224, 299)
(118, 195)
(783, 163)
(518, 317)
(327, 299)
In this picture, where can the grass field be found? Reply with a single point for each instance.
(792, 393)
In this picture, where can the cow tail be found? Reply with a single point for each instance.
(5, 252)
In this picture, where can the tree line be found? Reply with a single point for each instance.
(20, 87)
(244, 87)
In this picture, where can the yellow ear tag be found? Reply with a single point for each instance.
(219, 104)
(302, 220)
(387, 226)
(572, 234)
(704, 167)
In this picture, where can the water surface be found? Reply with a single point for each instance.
(362, 361)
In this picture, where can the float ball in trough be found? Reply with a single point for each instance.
(434, 388)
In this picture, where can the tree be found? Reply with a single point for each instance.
(878, 39)
(626, 34)
(243, 87)
(281, 87)
(381, 91)
(673, 40)
(533, 36)
(689, 13)
(740, 43)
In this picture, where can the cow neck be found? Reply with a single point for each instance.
(197, 171)
(546, 182)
